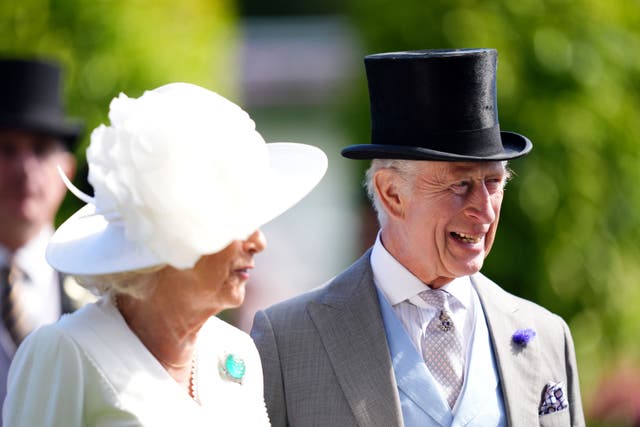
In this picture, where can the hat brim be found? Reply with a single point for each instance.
(89, 244)
(67, 131)
(514, 146)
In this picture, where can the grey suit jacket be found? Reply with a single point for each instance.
(326, 360)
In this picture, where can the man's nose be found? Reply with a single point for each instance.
(480, 205)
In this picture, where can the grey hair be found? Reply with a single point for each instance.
(136, 283)
(407, 171)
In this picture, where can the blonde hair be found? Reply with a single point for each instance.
(136, 283)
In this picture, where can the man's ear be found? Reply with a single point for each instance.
(388, 185)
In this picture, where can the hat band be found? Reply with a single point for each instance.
(477, 142)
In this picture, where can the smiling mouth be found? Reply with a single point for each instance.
(466, 238)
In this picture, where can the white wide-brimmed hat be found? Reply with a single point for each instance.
(181, 172)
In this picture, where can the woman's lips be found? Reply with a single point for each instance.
(243, 272)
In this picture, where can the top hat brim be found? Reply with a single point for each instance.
(67, 131)
(514, 145)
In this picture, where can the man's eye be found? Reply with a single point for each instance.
(494, 185)
(43, 150)
(460, 187)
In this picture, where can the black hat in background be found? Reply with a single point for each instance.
(30, 99)
(436, 105)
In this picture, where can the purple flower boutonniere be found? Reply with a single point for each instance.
(522, 337)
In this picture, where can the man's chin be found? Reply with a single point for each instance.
(468, 268)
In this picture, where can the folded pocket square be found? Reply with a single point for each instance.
(554, 399)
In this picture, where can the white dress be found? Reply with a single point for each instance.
(89, 369)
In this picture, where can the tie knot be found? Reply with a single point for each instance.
(435, 298)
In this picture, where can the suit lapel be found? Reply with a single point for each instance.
(519, 367)
(350, 326)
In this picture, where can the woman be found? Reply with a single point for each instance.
(182, 183)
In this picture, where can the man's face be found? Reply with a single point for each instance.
(449, 220)
(30, 189)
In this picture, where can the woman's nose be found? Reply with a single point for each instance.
(255, 243)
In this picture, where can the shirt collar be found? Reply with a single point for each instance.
(30, 257)
(399, 284)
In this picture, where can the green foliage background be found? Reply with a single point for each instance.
(569, 79)
(110, 46)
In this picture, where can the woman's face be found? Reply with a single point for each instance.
(222, 276)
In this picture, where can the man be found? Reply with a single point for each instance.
(34, 139)
(412, 334)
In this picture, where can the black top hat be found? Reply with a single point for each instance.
(30, 99)
(436, 105)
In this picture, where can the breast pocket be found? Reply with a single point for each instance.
(556, 419)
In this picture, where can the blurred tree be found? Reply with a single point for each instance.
(569, 79)
(107, 47)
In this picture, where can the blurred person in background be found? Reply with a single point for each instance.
(182, 183)
(35, 137)
(412, 333)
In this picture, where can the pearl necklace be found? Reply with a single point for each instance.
(193, 380)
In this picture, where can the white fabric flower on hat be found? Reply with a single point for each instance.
(177, 167)
(179, 173)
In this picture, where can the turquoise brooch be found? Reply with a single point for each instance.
(232, 368)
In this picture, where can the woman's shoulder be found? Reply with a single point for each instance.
(52, 370)
(222, 329)
(48, 340)
(46, 347)
(56, 338)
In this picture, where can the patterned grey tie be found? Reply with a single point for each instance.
(13, 313)
(442, 346)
